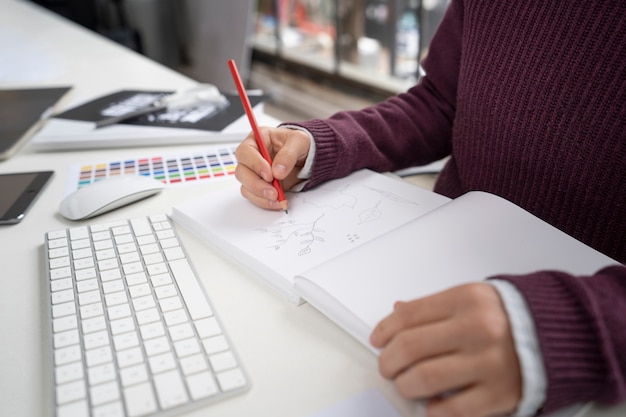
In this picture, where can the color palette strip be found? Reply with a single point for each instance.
(213, 163)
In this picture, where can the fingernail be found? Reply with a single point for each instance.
(281, 169)
(275, 205)
(270, 194)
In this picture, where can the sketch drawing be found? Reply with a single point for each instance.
(307, 234)
(330, 214)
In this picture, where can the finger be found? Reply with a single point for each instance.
(255, 184)
(476, 400)
(256, 190)
(414, 345)
(270, 204)
(248, 156)
(439, 375)
(410, 314)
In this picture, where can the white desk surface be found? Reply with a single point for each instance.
(297, 360)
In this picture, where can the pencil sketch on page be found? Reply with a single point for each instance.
(329, 215)
(322, 223)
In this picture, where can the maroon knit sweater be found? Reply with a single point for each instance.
(529, 100)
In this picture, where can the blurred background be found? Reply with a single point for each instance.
(312, 57)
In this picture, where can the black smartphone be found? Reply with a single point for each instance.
(18, 191)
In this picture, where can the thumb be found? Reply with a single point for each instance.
(292, 154)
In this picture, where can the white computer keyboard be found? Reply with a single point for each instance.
(133, 332)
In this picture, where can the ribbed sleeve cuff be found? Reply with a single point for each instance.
(326, 153)
(569, 339)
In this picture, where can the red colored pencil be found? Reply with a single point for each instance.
(245, 101)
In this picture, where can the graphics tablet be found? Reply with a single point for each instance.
(20, 113)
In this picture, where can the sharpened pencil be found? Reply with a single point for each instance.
(245, 101)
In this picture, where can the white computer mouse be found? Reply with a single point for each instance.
(107, 194)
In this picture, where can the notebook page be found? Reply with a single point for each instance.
(322, 223)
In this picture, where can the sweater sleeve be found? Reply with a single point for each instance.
(409, 129)
(581, 326)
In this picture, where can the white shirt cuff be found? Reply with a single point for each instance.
(305, 172)
(534, 380)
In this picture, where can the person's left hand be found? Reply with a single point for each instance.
(454, 348)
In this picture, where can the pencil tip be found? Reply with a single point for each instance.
(284, 206)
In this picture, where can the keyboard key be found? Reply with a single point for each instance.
(67, 355)
(113, 286)
(97, 339)
(141, 226)
(86, 273)
(60, 273)
(68, 373)
(94, 324)
(64, 323)
(75, 409)
(79, 233)
(119, 311)
(116, 298)
(64, 309)
(192, 364)
(222, 361)
(57, 243)
(71, 391)
(113, 409)
(190, 289)
(202, 385)
(175, 317)
(208, 327)
(147, 316)
(57, 234)
(104, 393)
(98, 356)
(215, 344)
(64, 339)
(231, 380)
(122, 325)
(134, 375)
(181, 331)
(57, 253)
(140, 400)
(186, 347)
(155, 346)
(125, 341)
(84, 263)
(120, 230)
(89, 297)
(101, 373)
(129, 357)
(87, 285)
(59, 262)
(170, 389)
(161, 363)
(152, 330)
(91, 310)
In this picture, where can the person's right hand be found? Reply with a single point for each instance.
(288, 149)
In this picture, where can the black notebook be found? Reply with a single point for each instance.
(75, 128)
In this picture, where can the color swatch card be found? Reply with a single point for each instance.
(213, 163)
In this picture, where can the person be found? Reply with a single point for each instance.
(528, 100)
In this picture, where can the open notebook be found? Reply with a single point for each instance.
(322, 223)
(354, 246)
